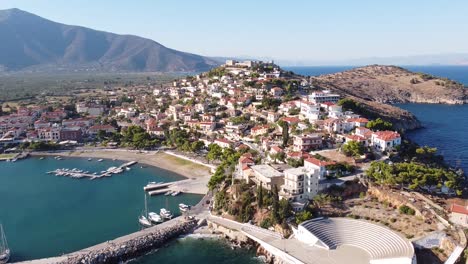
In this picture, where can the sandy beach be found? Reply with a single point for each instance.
(199, 174)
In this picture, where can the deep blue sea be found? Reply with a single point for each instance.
(445, 126)
(457, 73)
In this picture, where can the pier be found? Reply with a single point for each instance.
(78, 174)
(196, 185)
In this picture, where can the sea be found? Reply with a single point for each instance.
(444, 126)
(45, 215)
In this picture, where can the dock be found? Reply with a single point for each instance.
(78, 174)
(151, 187)
(163, 191)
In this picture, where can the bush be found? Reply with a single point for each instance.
(266, 223)
(404, 209)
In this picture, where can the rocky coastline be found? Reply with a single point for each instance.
(118, 252)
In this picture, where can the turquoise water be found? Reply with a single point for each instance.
(45, 215)
(192, 250)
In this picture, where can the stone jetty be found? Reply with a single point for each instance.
(115, 253)
(127, 247)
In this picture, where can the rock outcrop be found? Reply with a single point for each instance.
(391, 84)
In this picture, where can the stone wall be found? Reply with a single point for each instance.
(115, 253)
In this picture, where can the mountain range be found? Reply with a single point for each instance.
(30, 42)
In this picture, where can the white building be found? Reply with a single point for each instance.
(324, 96)
(310, 111)
(459, 215)
(300, 184)
(267, 176)
(385, 140)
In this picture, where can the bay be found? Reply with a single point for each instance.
(45, 215)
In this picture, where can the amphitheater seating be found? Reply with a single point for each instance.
(378, 241)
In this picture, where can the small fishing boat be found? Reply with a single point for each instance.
(4, 249)
(41, 158)
(154, 217)
(168, 193)
(100, 160)
(127, 168)
(90, 159)
(175, 193)
(184, 207)
(166, 214)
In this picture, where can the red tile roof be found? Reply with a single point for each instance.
(320, 163)
(387, 135)
(456, 208)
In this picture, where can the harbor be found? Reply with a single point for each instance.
(56, 203)
(78, 174)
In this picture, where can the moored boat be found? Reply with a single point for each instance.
(143, 219)
(175, 193)
(168, 193)
(4, 250)
(166, 214)
(100, 160)
(154, 217)
(184, 207)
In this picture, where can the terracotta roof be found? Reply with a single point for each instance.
(277, 149)
(456, 208)
(320, 163)
(360, 120)
(291, 119)
(387, 135)
(356, 137)
(246, 160)
(223, 140)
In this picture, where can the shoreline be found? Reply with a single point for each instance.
(160, 160)
(197, 174)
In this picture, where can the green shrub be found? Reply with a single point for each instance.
(407, 210)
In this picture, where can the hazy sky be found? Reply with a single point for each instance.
(293, 29)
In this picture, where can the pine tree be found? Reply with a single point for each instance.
(260, 196)
(275, 206)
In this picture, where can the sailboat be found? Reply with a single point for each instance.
(144, 217)
(4, 250)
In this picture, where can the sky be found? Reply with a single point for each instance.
(294, 30)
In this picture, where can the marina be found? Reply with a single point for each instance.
(78, 174)
(60, 202)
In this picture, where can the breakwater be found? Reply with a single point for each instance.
(126, 247)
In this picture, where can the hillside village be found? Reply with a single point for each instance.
(242, 105)
(281, 145)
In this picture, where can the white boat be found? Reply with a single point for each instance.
(41, 158)
(127, 168)
(143, 219)
(168, 193)
(175, 193)
(154, 217)
(90, 159)
(100, 160)
(14, 160)
(4, 250)
(166, 214)
(184, 207)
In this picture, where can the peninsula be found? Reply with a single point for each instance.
(293, 159)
